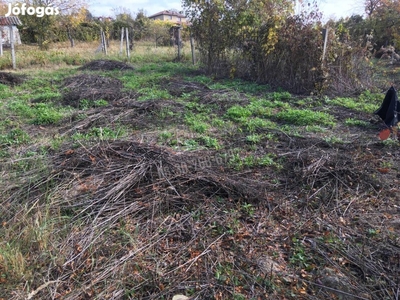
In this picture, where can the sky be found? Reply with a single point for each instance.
(330, 8)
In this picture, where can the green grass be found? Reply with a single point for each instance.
(100, 133)
(304, 117)
(196, 122)
(237, 112)
(15, 136)
(366, 102)
(355, 122)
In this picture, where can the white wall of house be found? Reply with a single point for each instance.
(5, 31)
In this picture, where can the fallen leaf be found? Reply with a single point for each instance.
(384, 134)
(383, 170)
(69, 152)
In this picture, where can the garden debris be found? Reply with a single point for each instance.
(125, 111)
(106, 65)
(11, 79)
(140, 172)
(91, 88)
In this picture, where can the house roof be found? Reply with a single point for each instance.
(168, 13)
(9, 21)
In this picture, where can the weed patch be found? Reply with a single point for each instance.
(305, 117)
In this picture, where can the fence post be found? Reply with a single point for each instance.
(179, 43)
(192, 47)
(12, 47)
(127, 42)
(133, 38)
(1, 41)
(325, 31)
(122, 40)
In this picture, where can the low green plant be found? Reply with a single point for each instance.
(279, 96)
(237, 112)
(257, 123)
(101, 133)
(47, 96)
(164, 136)
(151, 93)
(236, 162)
(165, 112)
(355, 104)
(304, 117)
(195, 122)
(334, 140)
(15, 136)
(253, 138)
(210, 142)
(260, 107)
(45, 114)
(190, 144)
(299, 257)
(248, 209)
(21, 108)
(356, 122)
(5, 91)
(217, 122)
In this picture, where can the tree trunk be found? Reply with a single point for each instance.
(71, 39)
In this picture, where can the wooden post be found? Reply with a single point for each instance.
(122, 40)
(179, 43)
(12, 47)
(103, 42)
(131, 46)
(1, 41)
(127, 42)
(192, 47)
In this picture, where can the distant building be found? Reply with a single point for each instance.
(105, 19)
(169, 15)
(6, 25)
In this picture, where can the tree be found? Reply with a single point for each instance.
(384, 19)
(71, 20)
(45, 29)
(219, 25)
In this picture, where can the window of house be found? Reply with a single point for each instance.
(170, 17)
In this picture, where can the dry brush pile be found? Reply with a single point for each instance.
(142, 221)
